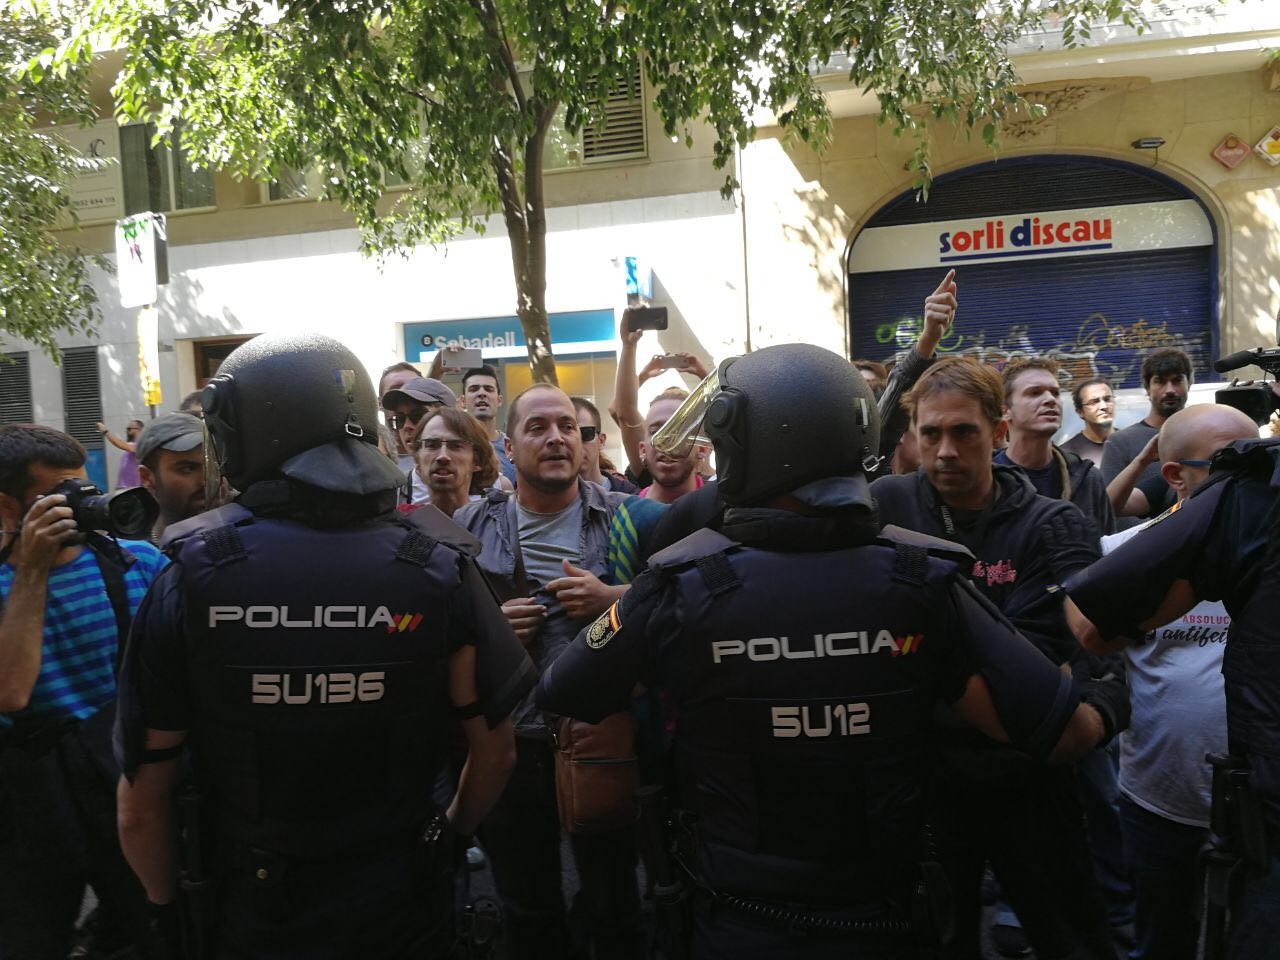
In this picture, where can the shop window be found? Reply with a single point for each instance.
(15, 388)
(160, 178)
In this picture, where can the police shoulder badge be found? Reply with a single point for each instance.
(605, 626)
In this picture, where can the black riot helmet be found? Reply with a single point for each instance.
(302, 407)
(783, 418)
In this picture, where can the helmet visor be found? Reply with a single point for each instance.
(679, 434)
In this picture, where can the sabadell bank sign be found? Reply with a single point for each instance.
(1088, 231)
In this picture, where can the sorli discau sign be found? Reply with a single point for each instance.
(1084, 231)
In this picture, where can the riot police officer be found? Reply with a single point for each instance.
(311, 650)
(804, 650)
(1222, 543)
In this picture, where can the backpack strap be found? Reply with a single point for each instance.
(118, 596)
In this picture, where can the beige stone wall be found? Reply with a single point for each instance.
(802, 209)
(670, 169)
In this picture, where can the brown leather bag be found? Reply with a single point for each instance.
(597, 773)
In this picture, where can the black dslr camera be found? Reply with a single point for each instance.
(1256, 399)
(129, 514)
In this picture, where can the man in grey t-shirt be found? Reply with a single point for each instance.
(545, 551)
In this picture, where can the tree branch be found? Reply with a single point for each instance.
(491, 23)
(416, 95)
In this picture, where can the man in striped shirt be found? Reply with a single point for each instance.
(62, 606)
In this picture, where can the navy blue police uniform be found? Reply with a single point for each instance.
(803, 657)
(311, 668)
(1225, 541)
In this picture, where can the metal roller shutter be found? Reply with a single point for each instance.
(1098, 315)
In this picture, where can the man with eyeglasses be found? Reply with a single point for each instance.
(1175, 672)
(1095, 404)
(454, 459)
(405, 406)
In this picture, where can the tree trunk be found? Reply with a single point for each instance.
(524, 211)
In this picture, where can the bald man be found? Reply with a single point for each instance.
(1179, 714)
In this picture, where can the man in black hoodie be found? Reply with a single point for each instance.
(1024, 818)
(1033, 409)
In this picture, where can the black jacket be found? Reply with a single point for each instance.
(1025, 546)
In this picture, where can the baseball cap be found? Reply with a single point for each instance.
(178, 432)
(422, 390)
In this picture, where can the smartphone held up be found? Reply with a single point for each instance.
(647, 318)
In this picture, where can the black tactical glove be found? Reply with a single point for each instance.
(1109, 695)
(446, 847)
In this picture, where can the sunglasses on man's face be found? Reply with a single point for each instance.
(397, 420)
(588, 433)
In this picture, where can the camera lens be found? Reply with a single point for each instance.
(128, 513)
(131, 513)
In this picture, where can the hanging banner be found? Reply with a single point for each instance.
(149, 355)
(142, 258)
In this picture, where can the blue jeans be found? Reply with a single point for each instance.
(1164, 861)
(1255, 919)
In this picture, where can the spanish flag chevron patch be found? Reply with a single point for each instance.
(605, 626)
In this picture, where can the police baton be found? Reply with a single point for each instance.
(669, 891)
(194, 882)
(1220, 859)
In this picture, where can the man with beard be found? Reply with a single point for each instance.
(127, 473)
(171, 466)
(405, 406)
(454, 459)
(481, 398)
(549, 553)
(673, 477)
(1166, 376)
(1095, 403)
(65, 605)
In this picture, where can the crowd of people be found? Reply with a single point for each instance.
(889, 651)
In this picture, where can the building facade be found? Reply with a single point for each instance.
(1082, 238)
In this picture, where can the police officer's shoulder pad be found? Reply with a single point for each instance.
(441, 529)
(701, 543)
(937, 547)
(232, 514)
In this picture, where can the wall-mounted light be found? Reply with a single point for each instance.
(1148, 143)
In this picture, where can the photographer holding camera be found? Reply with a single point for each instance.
(67, 595)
